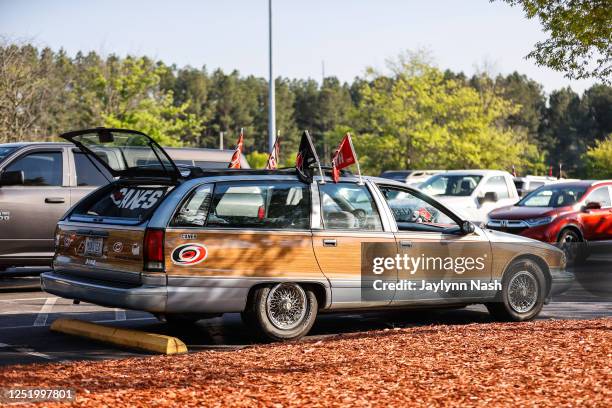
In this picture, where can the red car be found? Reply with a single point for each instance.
(572, 214)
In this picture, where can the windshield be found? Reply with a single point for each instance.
(123, 151)
(553, 196)
(451, 185)
(5, 151)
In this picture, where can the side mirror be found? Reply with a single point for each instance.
(12, 178)
(490, 197)
(592, 205)
(467, 227)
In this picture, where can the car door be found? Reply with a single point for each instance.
(87, 176)
(348, 231)
(497, 184)
(434, 252)
(597, 223)
(33, 209)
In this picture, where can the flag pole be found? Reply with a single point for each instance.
(356, 159)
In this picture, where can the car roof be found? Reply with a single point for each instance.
(24, 144)
(475, 172)
(582, 183)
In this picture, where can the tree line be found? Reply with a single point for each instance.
(414, 115)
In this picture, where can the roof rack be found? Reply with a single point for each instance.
(199, 172)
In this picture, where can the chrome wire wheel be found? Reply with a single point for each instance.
(286, 305)
(522, 292)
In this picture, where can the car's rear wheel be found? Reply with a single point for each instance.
(571, 243)
(285, 311)
(523, 292)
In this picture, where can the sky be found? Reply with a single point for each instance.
(345, 36)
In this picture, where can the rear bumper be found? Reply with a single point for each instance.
(180, 296)
(147, 298)
(560, 281)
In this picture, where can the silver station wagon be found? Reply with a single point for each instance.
(186, 245)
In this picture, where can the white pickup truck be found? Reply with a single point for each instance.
(473, 193)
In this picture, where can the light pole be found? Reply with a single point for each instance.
(271, 101)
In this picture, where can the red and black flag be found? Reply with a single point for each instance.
(343, 157)
(272, 163)
(306, 157)
(235, 161)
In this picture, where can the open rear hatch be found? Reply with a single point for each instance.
(105, 236)
(125, 153)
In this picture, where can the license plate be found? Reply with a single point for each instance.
(93, 246)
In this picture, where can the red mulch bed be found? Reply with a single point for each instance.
(544, 363)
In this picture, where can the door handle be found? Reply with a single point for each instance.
(406, 244)
(54, 200)
(330, 243)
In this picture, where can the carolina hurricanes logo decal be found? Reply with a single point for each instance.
(189, 254)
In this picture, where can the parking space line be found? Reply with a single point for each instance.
(24, 299)
(27, 351)
(93, 321)
(41, 319)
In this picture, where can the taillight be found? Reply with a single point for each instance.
(154, 250)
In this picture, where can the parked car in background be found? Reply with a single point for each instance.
(527, 184)
(39, 182)
(275, 249)
(473, 193)
(573, 214)
(410, 177)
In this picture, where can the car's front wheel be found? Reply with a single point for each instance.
(572, 244)
(523, 292)
(285, 311)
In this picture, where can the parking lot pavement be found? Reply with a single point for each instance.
(25, 318)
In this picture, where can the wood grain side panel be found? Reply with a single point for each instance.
(264, 254)
(344, 260)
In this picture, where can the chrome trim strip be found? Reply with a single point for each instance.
(495, 223)
(315, 212)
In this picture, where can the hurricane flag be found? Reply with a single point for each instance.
(343, 157)
(306, 157)
(235, 162)
(272, 163)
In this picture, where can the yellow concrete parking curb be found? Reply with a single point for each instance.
(157, 343)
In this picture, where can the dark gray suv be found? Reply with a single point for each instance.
(38, 184)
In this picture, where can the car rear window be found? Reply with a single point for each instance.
(5, 151)
(256, 205)
(133, 203)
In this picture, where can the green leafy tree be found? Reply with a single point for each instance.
(257, 160)
(580, 36)
(132, 99)
(599, 159)
(439, 123)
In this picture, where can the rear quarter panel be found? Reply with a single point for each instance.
(248, 254)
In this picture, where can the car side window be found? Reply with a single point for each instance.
(86, 173)
(39, 168)
(497, 184)
(260, 205)
(348, 206)
(412, 213)
(600, 195)
(194, 210)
